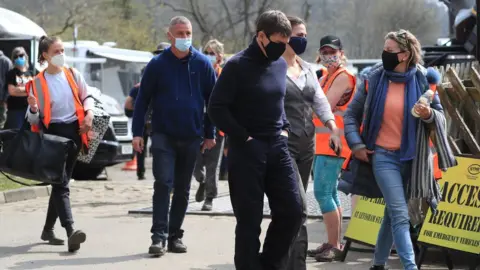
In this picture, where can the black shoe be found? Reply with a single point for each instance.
(52, 240)
(207, 205)
(74, 240)
(379, 267)
(141, 177)
(157, 249)
(200, 195)
(175, 244)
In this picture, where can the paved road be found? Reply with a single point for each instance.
(119, 241)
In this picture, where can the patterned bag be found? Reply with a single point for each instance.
(100, 123)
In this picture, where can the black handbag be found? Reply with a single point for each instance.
(35, 156)
(359, 179)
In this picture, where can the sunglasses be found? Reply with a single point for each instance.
(209, 53)
(19, 55)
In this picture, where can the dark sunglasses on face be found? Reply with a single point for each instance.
(209, 53)
(19, 55)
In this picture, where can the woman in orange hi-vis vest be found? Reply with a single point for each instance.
(207, 167)
(339, 87)
(59, 104)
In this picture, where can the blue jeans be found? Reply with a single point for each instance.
(173, 164)
(391, 174)
(326, 170)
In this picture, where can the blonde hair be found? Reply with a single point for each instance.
(216, 46)
(407, 42)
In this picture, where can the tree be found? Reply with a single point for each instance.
(228, 20)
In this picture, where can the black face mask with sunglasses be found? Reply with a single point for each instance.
(390, 60)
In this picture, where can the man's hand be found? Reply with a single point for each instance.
(32, 101)
(335, 141)
(208, 144)
(86, 126)
(138, 144)
(423, 111)
(284, 133)
(362, 154)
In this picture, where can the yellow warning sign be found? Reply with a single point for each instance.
(366, 220)
(456, 224)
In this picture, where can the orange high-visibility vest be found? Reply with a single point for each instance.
(322, 135)
(42, 94)
(218, 70)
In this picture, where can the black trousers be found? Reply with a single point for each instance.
(258, 167)
(59, 203)
(141, 156)
(302, 149)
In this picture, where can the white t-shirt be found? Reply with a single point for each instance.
(61, 98)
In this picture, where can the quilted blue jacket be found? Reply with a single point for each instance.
(358, 109)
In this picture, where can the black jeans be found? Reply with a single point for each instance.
(173, 164)
(302, 152)
(59, 203)
(141, 156)
(256, 168)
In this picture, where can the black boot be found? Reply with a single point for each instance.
(378, 267)
(49, 235)
(157, 249)
(207, 205)
(175, 244)
(75, 238)
(200, 195)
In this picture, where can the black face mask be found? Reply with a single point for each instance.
(390, 60)
(274, 50)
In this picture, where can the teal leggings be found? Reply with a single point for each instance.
(326, 170)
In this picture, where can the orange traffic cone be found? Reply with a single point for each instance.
(131, 165)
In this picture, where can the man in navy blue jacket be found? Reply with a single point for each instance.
(247, 104)
(178, 82)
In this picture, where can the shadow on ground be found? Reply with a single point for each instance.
(434, 260)
(39, 264)
(217, 267)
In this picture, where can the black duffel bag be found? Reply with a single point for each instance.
(35, 156)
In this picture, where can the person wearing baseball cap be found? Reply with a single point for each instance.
(161, 47)
(339, 87)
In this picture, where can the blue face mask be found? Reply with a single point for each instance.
(212, 58)
(20, 61)
(183, 44)
(298, 44)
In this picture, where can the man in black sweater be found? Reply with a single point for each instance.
(247, 104)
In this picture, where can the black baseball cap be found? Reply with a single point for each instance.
(332, 42)
(161, 47)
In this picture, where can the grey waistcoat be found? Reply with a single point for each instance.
(298, 107)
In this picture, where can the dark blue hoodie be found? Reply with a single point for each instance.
(179, 90)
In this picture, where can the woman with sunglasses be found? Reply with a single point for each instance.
(390, 140)
(207, 167)
(16, 80)
(339, 87)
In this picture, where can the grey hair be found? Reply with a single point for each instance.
(179, 20)
(19, 50)
(216, 46)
